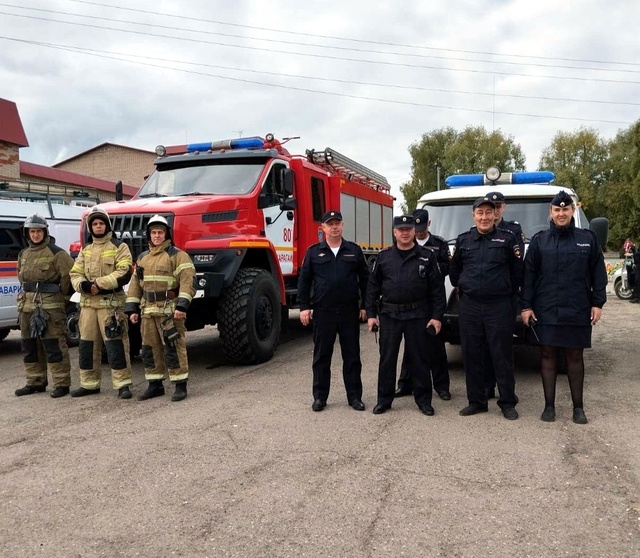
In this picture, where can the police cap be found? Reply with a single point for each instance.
(403, 222)
(484, 200)
(497, 197)
(421, 219)
(562, 199)
(331, 215)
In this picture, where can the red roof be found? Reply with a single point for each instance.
(58, 175)
(11, 129)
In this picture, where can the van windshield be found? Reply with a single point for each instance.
(230, 177)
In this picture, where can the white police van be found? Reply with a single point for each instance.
(527, 195)
(64, 226)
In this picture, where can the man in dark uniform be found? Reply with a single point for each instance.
(405, 297)
(516, 229)
(487, 269)
(438, 353)
(338, 274)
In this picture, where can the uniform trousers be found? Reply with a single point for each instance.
(439, 366)
(159, 358)
(345, 323)
(92, 334)
(416, 350)
(488, 324)
(489, 373)
(48, 349)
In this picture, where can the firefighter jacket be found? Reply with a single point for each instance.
(43, 272)
(163, 282)
(106, 262)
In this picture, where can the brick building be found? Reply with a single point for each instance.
(20, 179)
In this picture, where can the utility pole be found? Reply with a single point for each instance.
(438, 176)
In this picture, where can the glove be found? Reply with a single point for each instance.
(86, 287)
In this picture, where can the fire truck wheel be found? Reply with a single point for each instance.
(4, 332)
(249, 319)
(72, 331)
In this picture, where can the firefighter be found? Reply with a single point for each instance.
(161, 290)
(43, 272)
(100, 272)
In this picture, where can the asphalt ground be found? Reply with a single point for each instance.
(244, 468)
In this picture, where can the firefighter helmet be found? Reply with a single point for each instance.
(36, 221)
(98, 213)
(158, 220)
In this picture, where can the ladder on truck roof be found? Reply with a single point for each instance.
(333, 161)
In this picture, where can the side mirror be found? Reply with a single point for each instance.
(288, 204)
(118, 190)
(287, 182)
(600, 226)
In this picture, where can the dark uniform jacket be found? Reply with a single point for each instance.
(486, 265)
(337, 281)
(515, 228)
(440, 248)
(565, 276)
(406, 287)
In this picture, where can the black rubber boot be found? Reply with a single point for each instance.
(81, 392)
(60, 392)
(155, 389)
(124, 393)
(28, 390)
(181, 391)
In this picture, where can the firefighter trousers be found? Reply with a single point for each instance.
(92, 324)
(160, 358)
(48, 349)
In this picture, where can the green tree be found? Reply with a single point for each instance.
(473, 150)
(580, 160)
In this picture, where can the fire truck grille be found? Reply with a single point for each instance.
(132, 229)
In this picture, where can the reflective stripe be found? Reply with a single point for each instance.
(133, 299)
(181, 267)
(153, 376)
(77, 268)
(178, 377)
(185, 295)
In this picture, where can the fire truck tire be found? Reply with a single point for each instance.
(71, 329)
(4, 332)
(250, 318)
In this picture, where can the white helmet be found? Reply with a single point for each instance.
(158, 220)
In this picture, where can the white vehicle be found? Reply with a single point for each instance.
(64, 226)
(527, 194)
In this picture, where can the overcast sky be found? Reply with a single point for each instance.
(365, 78)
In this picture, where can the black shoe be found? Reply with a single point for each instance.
(403, 391)
(28, 390)
(473, 409)
(357, 404)
(549, 414)
(444, 394)
(634, 300)
(124, 393)
(380, 408)
(181, 391)
(155, 389)
(60, 392)
(426, 409)
(318, 405)
(81, 392)
(579, 417)
(510, 413)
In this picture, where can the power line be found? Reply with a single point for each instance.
(78, 50)
(324, 56)
(350, 39)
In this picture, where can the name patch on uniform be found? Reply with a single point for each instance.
(497, 240)
(423, 259)
(583, 245)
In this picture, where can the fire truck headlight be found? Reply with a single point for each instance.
(161, 150)
(493, 174)
(202, 282)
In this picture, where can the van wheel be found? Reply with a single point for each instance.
(4, 332)
(71, 329)
(621, 292)
(249, 318)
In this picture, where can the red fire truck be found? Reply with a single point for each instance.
(246, 210)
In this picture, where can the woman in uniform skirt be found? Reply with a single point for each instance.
(562, 298)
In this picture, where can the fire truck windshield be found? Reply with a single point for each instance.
(223, 178)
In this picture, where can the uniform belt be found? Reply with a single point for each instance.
(36, 286)
(156, 296)
(407, 306)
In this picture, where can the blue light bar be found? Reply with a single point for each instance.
(240, 143)
(533, 177)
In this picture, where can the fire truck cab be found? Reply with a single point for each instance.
(246, 211)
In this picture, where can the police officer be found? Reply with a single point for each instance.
(487, 270)
(564, 289)
(438, 361)
(161, 290)
(405, 296)
(103, 267)
(516, 229)
(337, 273)
(43, 272)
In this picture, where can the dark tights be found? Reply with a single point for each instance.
(549, 371)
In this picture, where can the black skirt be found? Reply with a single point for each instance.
(564, 336)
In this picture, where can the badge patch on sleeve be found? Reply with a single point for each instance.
(517, 252)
